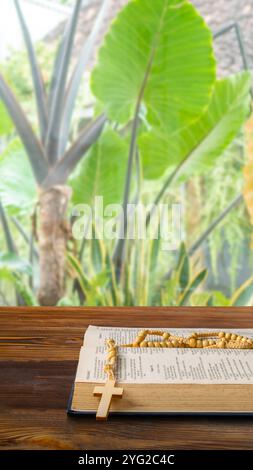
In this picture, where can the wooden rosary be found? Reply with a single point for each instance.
(213, 340)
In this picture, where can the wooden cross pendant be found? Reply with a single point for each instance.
(107, 392)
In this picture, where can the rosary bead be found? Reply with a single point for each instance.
(166, 335)
(220, 340)
(192, 342)
(143, 333)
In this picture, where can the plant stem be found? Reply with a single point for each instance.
(118, 256)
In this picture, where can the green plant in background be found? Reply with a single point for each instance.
(177, 144)
(49, 156)
(225, 180)
(142, 284)
(168, 119)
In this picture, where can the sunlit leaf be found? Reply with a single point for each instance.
(162, 51)
(197, 147)
(243, 295)
(102, 172)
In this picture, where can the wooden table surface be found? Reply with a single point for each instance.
(38, 357)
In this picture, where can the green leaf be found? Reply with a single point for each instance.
(90, 287)
(6, 124)
(219, 299)
(69, 302)
(200, 299)
(17, 183)
(161, 51)
(183, 268)
(25, 292)
(102, 172)
(243, 296)
(192, 287)
(197, 147)
(97, 252)
(155, 246)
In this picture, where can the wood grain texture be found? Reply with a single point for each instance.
(39, 350)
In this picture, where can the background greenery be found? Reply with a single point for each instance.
(219, 271)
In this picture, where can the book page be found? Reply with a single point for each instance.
(162, 365)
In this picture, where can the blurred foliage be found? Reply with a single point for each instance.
(142, 284)
(91, 273)
(212, 193)
(17, 72)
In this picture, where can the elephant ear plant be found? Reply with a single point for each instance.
(156, 73)
(52, 157)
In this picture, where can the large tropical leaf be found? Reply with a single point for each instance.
(102, 172)
(17, 183)
(196, 147)
(159, 52)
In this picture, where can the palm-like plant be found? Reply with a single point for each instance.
(51, 157)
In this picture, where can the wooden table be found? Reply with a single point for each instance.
(38, 357)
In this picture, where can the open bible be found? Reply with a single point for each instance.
(164, 381)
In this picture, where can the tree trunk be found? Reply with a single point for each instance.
(53, 236)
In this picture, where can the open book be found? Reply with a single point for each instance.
(160, 380)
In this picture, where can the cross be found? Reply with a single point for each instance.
(107, 392)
